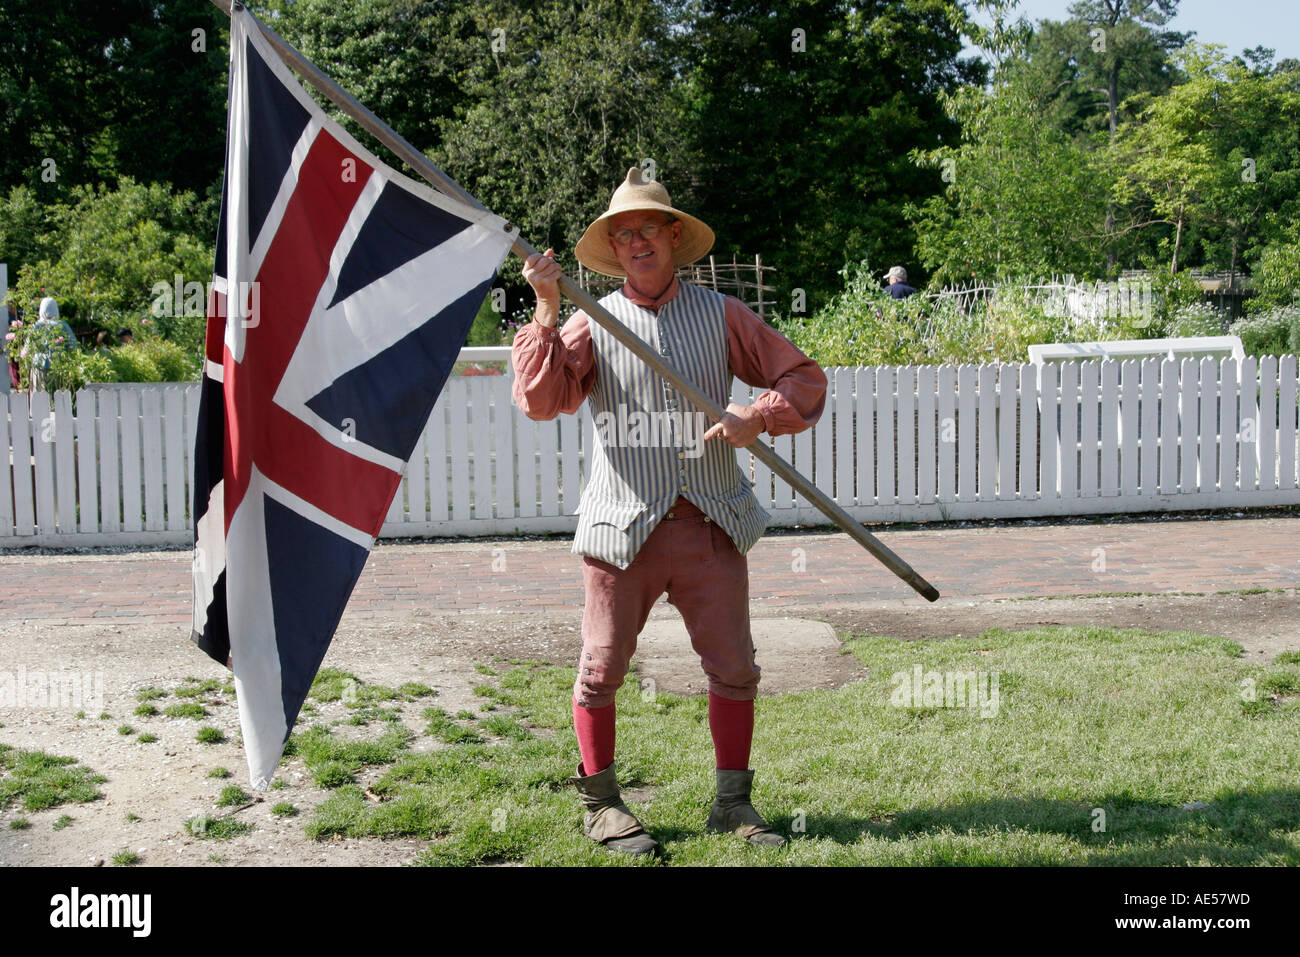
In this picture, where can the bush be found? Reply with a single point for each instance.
(863, 325)
(1277, 277)
(1198, 319)
(151, 360)
(486, 330)
(1274, 332)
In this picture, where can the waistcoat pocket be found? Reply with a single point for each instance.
(600, 510)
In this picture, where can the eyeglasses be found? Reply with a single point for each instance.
(648, 231)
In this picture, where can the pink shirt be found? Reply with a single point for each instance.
(554, 370)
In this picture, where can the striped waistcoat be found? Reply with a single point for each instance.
(649, 441)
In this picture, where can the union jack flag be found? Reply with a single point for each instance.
(342, 293)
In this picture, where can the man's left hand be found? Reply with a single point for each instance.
(740, 425)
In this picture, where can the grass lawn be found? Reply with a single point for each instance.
(1098, 740)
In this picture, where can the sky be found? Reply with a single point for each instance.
(1237, 24)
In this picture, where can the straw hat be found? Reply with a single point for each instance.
(635, 193)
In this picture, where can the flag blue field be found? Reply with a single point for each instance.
(342, 293)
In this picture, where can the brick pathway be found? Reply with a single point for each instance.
(787, 571)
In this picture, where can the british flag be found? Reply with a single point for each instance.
(342, 293)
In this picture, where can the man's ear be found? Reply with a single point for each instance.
(677, 231)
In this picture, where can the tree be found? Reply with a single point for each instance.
(537, 108)
(1116, 49)
(113, 248)
(93, 90)
(404, 59)
(558, 101)
(800, 118)
(1023, 199)
(1217, 154)
(1086, 67)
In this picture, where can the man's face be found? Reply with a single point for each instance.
(648, 262)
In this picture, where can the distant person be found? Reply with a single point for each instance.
(125, 337)
(897, 283)
(15, 375)
(49, 335)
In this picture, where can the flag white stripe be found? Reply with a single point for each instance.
(288, 184)
(254, 654)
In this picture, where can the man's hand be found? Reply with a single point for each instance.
(543, 274)
(740, 425)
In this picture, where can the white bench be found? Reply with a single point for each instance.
(1187, 346)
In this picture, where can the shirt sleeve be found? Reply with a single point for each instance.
(762, 357)
(554, 369)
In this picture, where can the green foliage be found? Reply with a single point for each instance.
(125, 858)
(441, 726)
(487, 327)
(1083, 82)
(802, 154)
(542, 130)
(40, 781)
(194, 688)
(216, 828)
(104, 251)
(1278, 273)
(232, 795)
(210, 735)
(1022, 197)
(188, 709)
(219, 772)
(1205, 159)
(1197, 319)
(333, 761)
(22, 228)
(149, 359)
(1273, 332)
(864, 326)
(147, 738)
(109, 88)
(284, 809)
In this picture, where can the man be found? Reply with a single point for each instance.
(660, 513)
(896, 283)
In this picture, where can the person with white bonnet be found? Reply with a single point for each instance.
(49, 335)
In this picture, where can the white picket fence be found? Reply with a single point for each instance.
(910, 443)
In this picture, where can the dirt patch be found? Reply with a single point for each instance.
(1265, 625)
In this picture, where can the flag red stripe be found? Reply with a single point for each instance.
(284, 448)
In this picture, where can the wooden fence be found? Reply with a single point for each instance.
(744, 280)
(910, 443)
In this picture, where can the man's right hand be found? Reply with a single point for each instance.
(543, 274)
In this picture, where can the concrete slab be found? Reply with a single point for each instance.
(794, 653)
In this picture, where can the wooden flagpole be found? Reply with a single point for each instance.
(585, 301)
